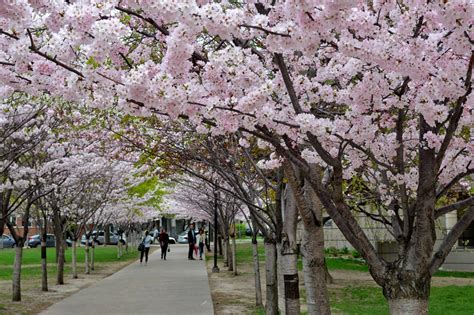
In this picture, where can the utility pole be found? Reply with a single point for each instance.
(215, 268)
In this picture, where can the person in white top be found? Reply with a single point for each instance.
(147, 243)
(201, 239)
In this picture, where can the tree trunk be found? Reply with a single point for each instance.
(107, 235)
(60, 262)
(16, 281)
(92, 256)
(281, 281)
(329, 278)
(271, 306)
(220, 246)
(44, 266)
(288, 260)
(226, 253)
(407, 292)
(234, 255)
(256, 270)
(86, 257)
(119, 249)
(289, 295)
(408, 306)
(312, 248)
(74, 259)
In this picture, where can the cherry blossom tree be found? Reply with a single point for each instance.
(377, 92)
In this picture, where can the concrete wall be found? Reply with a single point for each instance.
(460, 259)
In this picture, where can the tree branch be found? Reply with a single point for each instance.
(450, 240)
(454, 206)
(34, 49)
(264, 30)
(456, 115)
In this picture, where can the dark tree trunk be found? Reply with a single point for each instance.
(256, 270)
(74, 259)
(44, 266)
(220, 245)
(60, 262)
(271, 305)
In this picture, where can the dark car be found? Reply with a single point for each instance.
(35, 240)
(7, 241)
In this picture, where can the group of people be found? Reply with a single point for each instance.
(163, 239)
(196, 241)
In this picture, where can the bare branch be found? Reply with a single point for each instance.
(264, 30)
(451, 239)
(454, 206)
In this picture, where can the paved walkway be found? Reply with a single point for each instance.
(175, 286)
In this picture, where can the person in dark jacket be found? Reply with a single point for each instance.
(191, 241)
(164, 239)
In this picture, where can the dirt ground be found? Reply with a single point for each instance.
(34, 300)
(236, 294)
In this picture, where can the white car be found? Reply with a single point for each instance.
(183, 237)
(172, 240)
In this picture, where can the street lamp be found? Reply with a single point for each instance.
(215, 268)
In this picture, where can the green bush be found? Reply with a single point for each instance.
(240, 229)
(332, 251)
(355, 254)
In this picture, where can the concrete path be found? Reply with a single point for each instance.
(175, 286)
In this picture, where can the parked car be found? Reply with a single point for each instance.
(183, 237)
(114, 238)
(6, 241)
(248, 232)
(35, 240)
(172, 239)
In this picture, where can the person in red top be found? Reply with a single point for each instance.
(164, 241)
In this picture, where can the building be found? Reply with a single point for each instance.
(461, 257)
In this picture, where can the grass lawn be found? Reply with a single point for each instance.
(356, 299)
(31, 266)
(369, 300)
(244, 254)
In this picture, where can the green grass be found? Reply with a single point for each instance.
(369, 300)
(244, 255)
(31, 262)
(33, 255)
(260, 311)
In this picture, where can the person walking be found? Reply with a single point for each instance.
(207, 243)
(164, 242)
(146, 247)
(191, 241)
(201, 240)
(155, 233)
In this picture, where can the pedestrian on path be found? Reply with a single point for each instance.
(201, 239)
(155, 234)
(191, 241)
(164, 239)
(207, 243)
(146, 247)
